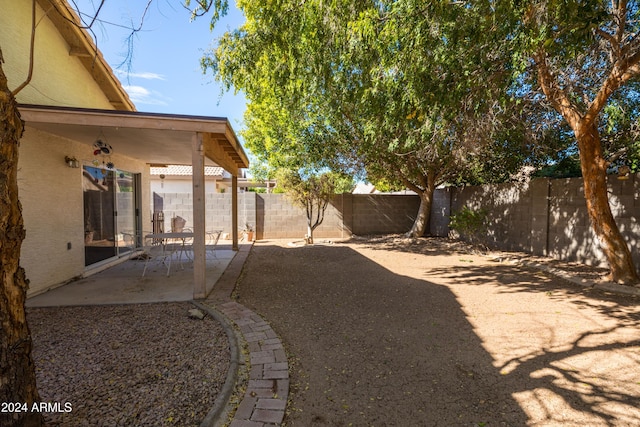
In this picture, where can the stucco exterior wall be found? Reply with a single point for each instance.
(52, 206)
(51, 197)
(58, 78)
(51, 193)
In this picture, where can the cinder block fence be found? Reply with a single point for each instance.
(543, 216)
(549, 217)
(272, 216)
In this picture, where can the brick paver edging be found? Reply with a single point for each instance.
(220, 408)
(265, 398)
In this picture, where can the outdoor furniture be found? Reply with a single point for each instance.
(161, 247)
(177, 224)
(156, 249)
(212, 241)
(187, 244)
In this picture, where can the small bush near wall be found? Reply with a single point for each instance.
(469, 224)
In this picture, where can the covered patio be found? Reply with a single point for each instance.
(158, 139)
(124, 284)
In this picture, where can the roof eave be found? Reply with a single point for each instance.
(82, 46)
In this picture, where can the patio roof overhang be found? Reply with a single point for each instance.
(157, 139)
(152, 137)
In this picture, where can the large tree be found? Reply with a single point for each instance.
(402, 90)
(17, 370)
(582, 55)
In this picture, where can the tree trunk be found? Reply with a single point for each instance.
(17, 371)
(424, 211)
(594, 176)
(593, 166)
(319, 204)
(309, 238)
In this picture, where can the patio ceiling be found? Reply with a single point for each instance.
(151, 137)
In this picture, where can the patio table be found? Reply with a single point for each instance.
(171, 235)
(182, 235)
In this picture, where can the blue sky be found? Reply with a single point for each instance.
(165, 75)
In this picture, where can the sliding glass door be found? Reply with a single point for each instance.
(110, 207)
(126, 205)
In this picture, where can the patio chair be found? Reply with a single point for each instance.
(185, 246)
(212, 241)
(159, 252)
(130, 242)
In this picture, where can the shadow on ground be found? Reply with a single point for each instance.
(427, 337)
(592, 369)
(370, 347)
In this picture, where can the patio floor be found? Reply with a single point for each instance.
(124, 284)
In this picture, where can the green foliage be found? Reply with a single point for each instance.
(566, 167)
(470, 224)
(584, 45)
(405, 92)
(633, 157)
(302, 188)
(386, 186)
(312, 192)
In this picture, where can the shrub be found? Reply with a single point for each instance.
(470, 224)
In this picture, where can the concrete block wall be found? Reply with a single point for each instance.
(539, 220)
(274, 217)
(346, 214)
(382, 213)
(543, 217)
(508, 209)
(280, 219)
(570, 234)
(440, 212)
(549, 217)
(217, 205)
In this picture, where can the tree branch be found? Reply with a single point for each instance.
(556, 96)
(622, 71)
(31, 51)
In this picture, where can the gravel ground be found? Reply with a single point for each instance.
(128, 365)
(424, 332)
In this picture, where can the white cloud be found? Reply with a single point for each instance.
(144, 75)
(142, 95)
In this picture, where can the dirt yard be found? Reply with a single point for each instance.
(397, 332)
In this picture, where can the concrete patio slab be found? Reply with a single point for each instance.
(124, 284)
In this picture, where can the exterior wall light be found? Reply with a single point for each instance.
(72, 162)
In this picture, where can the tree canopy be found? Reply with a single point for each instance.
(395, 91)
(425, 93)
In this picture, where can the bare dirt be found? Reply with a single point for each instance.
(424, 332)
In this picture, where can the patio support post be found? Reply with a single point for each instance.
(234, 214)
(199, 260)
